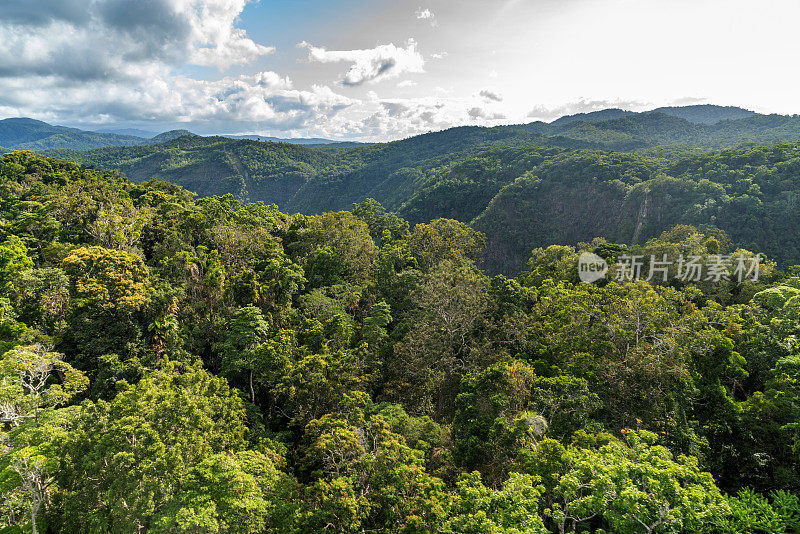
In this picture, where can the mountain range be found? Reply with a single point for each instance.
(30, 134)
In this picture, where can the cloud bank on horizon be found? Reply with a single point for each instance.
(357, 69)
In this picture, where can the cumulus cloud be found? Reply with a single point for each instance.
(105, 61)
(491, 96)
(478, 113)
(125, 61)
(426, 14)
(373, 64)
(582, 106)
(264, 99)
(44, 12)
(399, 118)
(82, 40)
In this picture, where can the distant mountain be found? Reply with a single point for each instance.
(308, 141)
(593, 116)
(705, 125)
(30, 134)
(646, 130)
(135, 132)
(706, 113)
(250, 170)
(170, 135)
(699, 114)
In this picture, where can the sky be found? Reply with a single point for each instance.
(386, 69)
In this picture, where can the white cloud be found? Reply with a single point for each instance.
(406, 83)
(108, 61)
(491, 96)
(478, 113)
(373, 64)
(117, 38)
(264, 99)
(426, 14)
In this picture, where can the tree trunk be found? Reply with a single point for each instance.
(34, 510)
(252, 392)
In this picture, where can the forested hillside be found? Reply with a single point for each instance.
(180, 364)
(751, 194)
(215, 165)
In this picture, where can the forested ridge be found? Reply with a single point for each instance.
(172, 363)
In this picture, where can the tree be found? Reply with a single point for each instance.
(125, 460)
(340, 242)
(36, 480)
(512, 509)
(634, 486)
(235, 493)
(247, 331)
(369, 479)
(379, 220)
(33, 378)
(109, 279)
(492, 421)
(13, 261)
(556, 262)
(445, 239)
(435, 353)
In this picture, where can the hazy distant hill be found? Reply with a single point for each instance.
(136, 132)
(602, 115)
(309, 141)
(30, 134)
(700, 114)
(170, 135)
(645, 130)
(706, 113)
(702, 125)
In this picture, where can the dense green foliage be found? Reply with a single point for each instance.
(174, 364)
